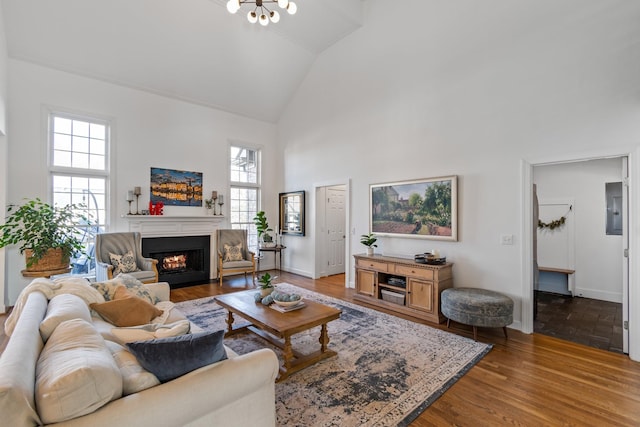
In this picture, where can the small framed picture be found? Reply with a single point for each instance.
(292, 213)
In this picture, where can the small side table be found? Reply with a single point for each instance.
(277, 250)
(46, 273)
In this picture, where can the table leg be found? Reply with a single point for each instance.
(287, 353)
(230, 322)
(259, 256)
(324, 338)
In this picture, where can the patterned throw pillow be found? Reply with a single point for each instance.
(133, 285)
(123, 263)
(233, 253)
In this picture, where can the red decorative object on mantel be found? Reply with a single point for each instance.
(157, 209)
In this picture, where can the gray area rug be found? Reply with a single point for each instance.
(388, 370)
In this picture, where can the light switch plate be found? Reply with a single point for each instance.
(506, 239)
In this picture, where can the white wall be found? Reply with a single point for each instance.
(3, 148)
(434, 88)
(149, 130)
(598, 256)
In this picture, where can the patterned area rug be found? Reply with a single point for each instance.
(387, 371)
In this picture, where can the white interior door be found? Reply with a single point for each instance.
(336, 233)
(625, 257)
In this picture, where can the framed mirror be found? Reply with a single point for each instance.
(292, 213)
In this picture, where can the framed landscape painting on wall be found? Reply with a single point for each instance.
(176, 187)
(424, 208)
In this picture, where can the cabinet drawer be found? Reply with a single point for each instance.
(373, 265)
(406, 270)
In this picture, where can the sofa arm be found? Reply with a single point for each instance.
(239, 391)
(160, 290)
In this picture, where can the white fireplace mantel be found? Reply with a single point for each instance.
(178, 226)
(165, 225)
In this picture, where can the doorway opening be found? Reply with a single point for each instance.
(580, 267)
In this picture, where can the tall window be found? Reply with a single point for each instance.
(79, 171)
(244, 170)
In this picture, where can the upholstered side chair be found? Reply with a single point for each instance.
(122, 253)
(234, 255)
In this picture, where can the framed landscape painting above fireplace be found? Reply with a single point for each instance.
(175, 187)
(424, 208)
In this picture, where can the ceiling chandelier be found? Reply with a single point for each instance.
(261, 13)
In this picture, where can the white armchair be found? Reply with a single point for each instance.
(109, 245)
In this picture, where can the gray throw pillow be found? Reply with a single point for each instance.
(169, 358)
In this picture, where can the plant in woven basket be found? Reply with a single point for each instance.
(38, 228)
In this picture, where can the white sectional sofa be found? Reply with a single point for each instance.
(238, 391)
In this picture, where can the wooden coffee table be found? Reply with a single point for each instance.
(277, 328)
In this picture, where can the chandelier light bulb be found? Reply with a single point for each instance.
(275, 16)
(283, 3)
(233, 6)
(292, 8)
(252, 17)
(264, 21)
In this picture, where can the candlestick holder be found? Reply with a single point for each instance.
(137, 206)
(214, 205)
(220, 203)
(137, 191)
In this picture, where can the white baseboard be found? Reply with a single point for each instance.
(599, 295)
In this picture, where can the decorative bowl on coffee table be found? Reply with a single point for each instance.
(287, 303)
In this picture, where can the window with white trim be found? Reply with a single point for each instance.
(244, 170)
(78, 166)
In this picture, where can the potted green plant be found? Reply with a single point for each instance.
(262, 226)
(46, 234)
(266, 287)
(369, 240)
(208, 203)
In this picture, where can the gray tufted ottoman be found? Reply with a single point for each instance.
(477, 307)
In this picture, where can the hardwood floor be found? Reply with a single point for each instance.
(527, 380)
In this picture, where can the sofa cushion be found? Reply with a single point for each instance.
(133, 285)
(130, 311)
(76, 373)
(63, 307)
(169, 358)
(123, 263)
(134, 377)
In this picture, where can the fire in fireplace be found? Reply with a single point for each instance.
(182, 261)
(174, 263)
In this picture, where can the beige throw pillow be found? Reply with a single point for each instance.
(76, 373)
(128, 311)
(125, 263)
(232, 252)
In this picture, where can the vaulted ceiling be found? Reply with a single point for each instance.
(187, 49)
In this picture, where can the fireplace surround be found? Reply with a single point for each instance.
(179, 227)
(182, 260)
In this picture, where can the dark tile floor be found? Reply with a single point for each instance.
(582, 320)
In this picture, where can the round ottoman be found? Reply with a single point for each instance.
(477, 307)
